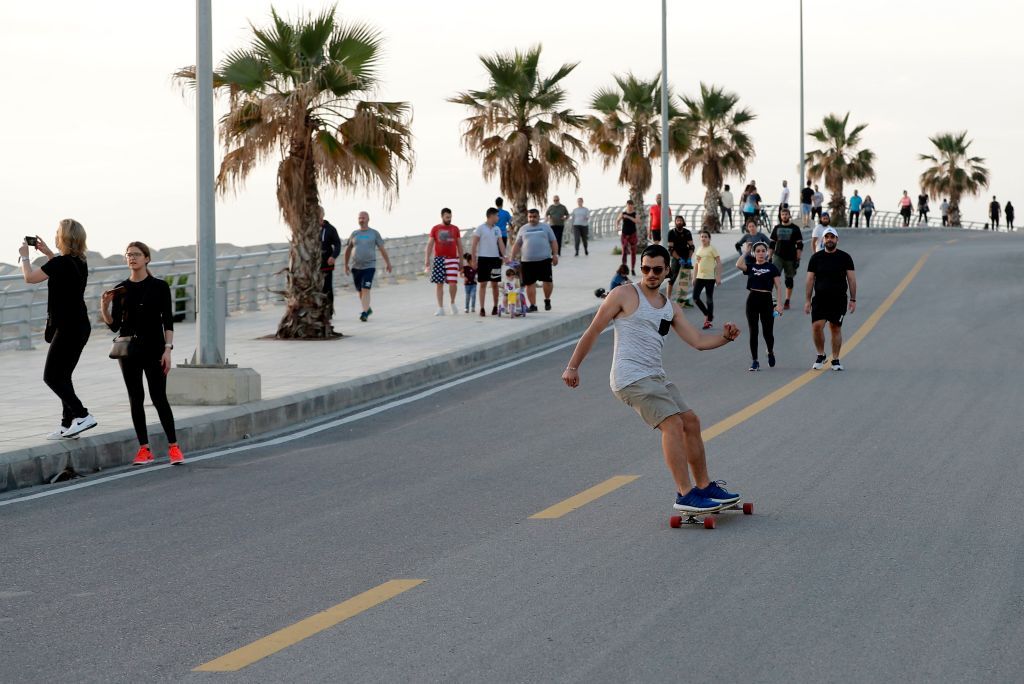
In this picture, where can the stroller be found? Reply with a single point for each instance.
(514, 302)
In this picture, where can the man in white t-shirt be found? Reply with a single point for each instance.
(783, 199)
(818, 233)
(488, 254)
(580, 217)
(725, 201)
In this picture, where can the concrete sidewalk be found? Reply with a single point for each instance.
(403, 346)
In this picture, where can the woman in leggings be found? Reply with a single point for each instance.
(67, 321)
(707, 273)
(762, 278)
(142, 310)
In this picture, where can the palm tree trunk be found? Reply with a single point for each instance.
(518, 218)
(637, 196)
(712, 218)
(307, 315)
(837, 206)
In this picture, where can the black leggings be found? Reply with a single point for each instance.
(132, 370)
(759, 309)
(65, 351)
(700, 285)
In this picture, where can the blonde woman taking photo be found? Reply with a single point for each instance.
(140, 308)
(67, 321)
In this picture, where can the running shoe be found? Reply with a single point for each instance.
(785, 305)
(771, 359)
(547, 305)
(836, 365)
(717, 493)
(59, 434)
(369, 311)
(439, 312)
(707, 324)
(755, 366)
(695, 502)
(79, 425)
(454, 310)
(533, 308)
(144, 457)
(174, 452)
(819, 362)
(363, 316)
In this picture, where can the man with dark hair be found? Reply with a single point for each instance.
(993, 212)
(787, 246)
(829, 273)
(330, 248)
(725, 202)
(642, 318)
(806, 197)
(488, 254)
(680, 247)
(503, 219)
(556, 215)
(445, 243)
(536, 242)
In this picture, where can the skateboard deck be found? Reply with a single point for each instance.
(707, 519)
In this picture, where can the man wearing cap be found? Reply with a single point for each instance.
(829, 273)
(819, 230)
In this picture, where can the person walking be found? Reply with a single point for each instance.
(786, 244)
(488, 254)
(993, 213)
(762, 279)
(142, 311)
(67, 320)
(856, 202)
(944, 210)
(905, 205)
(556, 216)
(817, 201)
(642, 318)
(628, 235)
(783, 198)
(725, 202)
(806, 197)
(707, 274)
(868, 209)
(364, 242)
(504, 218)
(580, 227)
(922, 208)
(751, 203)
(655, 213)
(537, 244)
(817, 244)
(445, 243)
(330, 248)
(750, 238)
(680, 247)
(829, 273)
(1009, 214)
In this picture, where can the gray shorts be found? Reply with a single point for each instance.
(654, 398)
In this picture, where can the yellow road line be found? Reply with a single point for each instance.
(584, 497)
(293, 634)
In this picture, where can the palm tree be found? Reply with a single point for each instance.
(299, 90)
(520, 129)
(718, 144)
(839, 161)
(953, 173)
(628, 131)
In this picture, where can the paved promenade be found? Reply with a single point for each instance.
(402, 334)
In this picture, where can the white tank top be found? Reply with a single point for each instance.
(639, 342)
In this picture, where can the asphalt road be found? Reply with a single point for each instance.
(886, 543)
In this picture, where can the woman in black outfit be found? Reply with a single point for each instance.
(142, 311)
(67, 321)
(762, 278)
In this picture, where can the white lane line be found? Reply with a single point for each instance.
(308, 431)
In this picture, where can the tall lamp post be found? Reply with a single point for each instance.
(801, 188)
(664, 117)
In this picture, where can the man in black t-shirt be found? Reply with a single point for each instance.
(829, 272)
(993, 213)
(806, 197)
(680, 246)
(787, 246)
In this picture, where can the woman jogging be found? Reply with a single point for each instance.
(707, 273)
(67, 321)
(142, 311)
(762, 278)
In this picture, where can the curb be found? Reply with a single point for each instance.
(37, 465)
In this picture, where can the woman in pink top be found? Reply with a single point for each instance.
(906, 206)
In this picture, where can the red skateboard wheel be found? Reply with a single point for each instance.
(675, 521)
(748, 508)
(709, 523)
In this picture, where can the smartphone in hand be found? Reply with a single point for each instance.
(30, 240)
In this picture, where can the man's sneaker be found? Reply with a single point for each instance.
(836, 365)
(59, 434)
(369, 311)
(175, 455)
(144, 457)
(79, 425)
(771, 359)
(494, 310)
(755, 366)
(717, 493)
(785, 305)
(547, 305)
(363, 316)
(533, 308)
(439, 312)
(454, 310)
(694, 502)
(819, 362)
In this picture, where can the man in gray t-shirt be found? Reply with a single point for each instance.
(580, 226)
(539, 248)
(365, 242)
(557, 215)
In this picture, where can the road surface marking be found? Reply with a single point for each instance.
(303, 629)
(584, 497)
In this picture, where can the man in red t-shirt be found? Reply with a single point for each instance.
(656, 220)
(445, 244)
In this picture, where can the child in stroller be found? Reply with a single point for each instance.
(514, 302)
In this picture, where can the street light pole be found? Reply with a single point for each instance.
(801, 96)
(664, 117)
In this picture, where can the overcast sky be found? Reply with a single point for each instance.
(94, 129)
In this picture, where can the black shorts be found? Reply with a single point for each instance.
(488, 269)
(831, 309)
(656, 234)
(534, 271)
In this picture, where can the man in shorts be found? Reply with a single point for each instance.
(642, 318)
(829, 272)
(445, 243)
(680, 247)
(806, 197)
(787, 246)
(537, 244)
(365, 242)
(488, 254)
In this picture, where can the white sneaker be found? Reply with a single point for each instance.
(819, 362)
(56, 434)
(455, 312)
(837, 365)
(439, 312)
(79, 425)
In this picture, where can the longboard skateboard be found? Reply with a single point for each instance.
(708, 519)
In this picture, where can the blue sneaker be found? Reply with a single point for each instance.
(695, 502)
(755, 366)
(715, 492)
